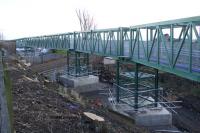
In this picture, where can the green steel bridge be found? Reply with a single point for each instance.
(170, 46)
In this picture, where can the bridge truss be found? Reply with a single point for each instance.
(170, 46)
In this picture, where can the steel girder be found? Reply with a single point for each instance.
(171, 46)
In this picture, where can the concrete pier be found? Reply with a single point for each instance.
(71, 81)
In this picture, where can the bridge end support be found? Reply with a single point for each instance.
(78, 71)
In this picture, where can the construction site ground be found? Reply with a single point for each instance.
(40, 107)
(187, 118)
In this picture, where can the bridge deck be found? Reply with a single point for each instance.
(171, 46)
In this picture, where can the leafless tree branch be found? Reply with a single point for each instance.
(85, 20)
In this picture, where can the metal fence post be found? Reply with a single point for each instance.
(136, 86)
(156, 88)
(117, 79)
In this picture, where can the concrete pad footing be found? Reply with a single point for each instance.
(153, 117)
(146, 116)
(71, 81)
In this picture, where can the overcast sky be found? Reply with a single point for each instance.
(23, 18)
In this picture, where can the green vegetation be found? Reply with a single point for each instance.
(8, 93)
(195, 92)
(62, 52)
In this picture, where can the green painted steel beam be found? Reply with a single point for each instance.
(117, 80)
(136, 86)
(156, 87)
(68, 54)
(181, 73)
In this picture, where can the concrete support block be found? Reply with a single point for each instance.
(70, 81)
(148, 117)
(153, 117)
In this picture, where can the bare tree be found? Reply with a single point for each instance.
(85, 20)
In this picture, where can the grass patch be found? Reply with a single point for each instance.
(195, 92)
(62, 52)
(8, 93)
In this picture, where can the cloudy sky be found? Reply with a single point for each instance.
(23, 18)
